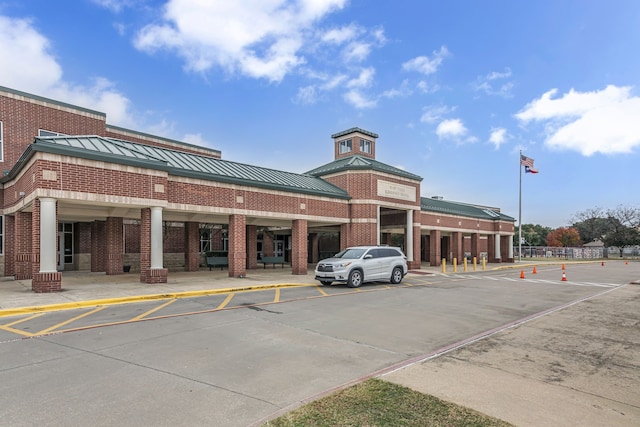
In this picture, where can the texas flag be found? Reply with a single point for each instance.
(527, 162)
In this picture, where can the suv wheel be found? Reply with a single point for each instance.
(396, 275)
(355, 279)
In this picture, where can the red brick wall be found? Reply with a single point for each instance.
(22, 119)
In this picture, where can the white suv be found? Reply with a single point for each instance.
(361, 264)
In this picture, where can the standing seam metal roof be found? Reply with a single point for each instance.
(186, 164)
(357, 162)
(462, 209)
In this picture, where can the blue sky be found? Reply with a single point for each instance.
(455, 89)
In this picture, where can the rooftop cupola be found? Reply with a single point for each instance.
(354, 141)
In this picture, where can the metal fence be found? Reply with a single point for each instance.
(575, 253)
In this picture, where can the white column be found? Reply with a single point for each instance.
(409, 235)
(156, 237)
(48, 236)
(378, 225)
(497, 247)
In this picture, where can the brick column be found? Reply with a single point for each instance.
(114, 245)
(252, 247)
(98, 246)
(345, 238)
(44, 237)
(386, 239)
(491, 248)
(22, 245)
(435, 248)
(299, 247)
(456, 246)
(9, 246)
(417, 249)
(475, 237)
(315, 238)
(191, 246)
(237, 245)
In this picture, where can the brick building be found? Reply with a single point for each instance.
(79, 194)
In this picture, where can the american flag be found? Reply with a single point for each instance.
(526, 161)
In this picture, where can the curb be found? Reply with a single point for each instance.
(137, 298)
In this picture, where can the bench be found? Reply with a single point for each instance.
(217, 261)
(272, 260)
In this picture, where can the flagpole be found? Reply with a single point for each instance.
(520, 211)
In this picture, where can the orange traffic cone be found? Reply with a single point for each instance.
(534, 270)
(626, 262)
(522, 274)
(564, 276)
(563, 266)
(603, 263)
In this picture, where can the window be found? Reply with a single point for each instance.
(365, 146)
(205, 239)
(345, 146)
(65, 242)
(42, 132)
(1, 145)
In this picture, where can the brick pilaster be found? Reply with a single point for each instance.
(9, 246)
(435, 248)
(299, 244)
(114, 243)
(252, 247)
(22, 245)
(456, 246)
(237, 245)
(191, 246)
(98, 246)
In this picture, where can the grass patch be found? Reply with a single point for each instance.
(377, 403)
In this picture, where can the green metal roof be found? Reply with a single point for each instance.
(357, 162)
(462, 209)
(179, 163)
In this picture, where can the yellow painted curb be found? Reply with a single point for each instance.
(138, 298)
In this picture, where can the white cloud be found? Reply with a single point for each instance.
(306, 95)
(364, 79)
(425, 87)
(494, 84)
(498, 137)
(114, 5)
(451, 128)
(426, 65)
(434, 113)
(341, 35)
(454, 130)
(401, 92)
(34, 69)
(357, 52)
(604, 121)
(359, 100)
(259, 39)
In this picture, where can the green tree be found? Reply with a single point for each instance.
(533, 235)
(619, 227)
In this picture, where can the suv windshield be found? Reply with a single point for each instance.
(350, 253)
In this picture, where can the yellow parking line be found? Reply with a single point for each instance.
(321, 290)
(16, 331)
(15, 322)
(153, 310)
(226, 301)
(73, 319)
(276, 298)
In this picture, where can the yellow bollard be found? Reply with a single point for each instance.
(444, 265)
(484, 264)
(455, 265)
(475, 263)
(465, 264)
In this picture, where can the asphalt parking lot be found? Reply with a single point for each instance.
(533, 351)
